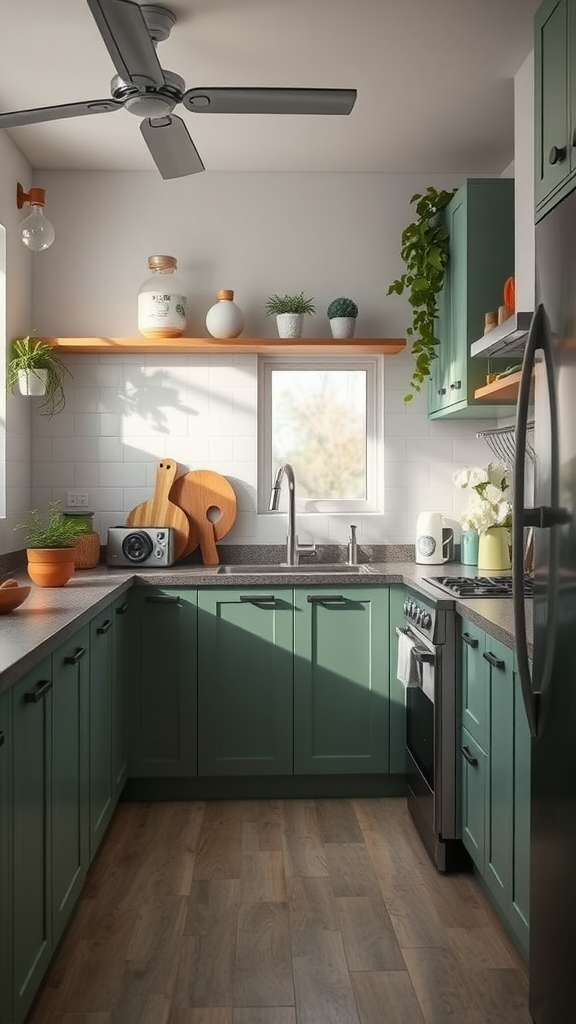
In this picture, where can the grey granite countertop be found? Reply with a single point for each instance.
(50, 615)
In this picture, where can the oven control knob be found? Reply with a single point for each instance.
(426, 620)
(413, 609)
(406, 606)
(419, 616)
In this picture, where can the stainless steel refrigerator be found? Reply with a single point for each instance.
(549, 693)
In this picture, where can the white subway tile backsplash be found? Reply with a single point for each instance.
(405, 425)
(434, 450)
(109, 424)
(402, 474)
(86, 424)
(54, 474)
(86, 474)
(395, 449)
(123, 474)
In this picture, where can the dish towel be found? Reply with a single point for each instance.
(407, 666)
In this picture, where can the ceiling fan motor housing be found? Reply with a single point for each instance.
(152, 102)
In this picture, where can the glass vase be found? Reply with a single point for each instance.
(493, 550)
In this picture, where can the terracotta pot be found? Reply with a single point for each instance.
(50, 567)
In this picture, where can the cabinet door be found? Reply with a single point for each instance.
(474, 764)
(32, 834)
(70, 696)
(163, 683)
(101, 782)
(500, 834)
(245, 681)
(475, 684)
(552, 100)
(5, 857)
(341, 684)
(520, 894)
(122, 645)
(455, 355)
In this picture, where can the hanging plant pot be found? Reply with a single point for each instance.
(50, 567)
(32, 382)
(290, 325)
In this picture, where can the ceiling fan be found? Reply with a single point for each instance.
(130, 33)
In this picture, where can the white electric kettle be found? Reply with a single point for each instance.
(434, 542)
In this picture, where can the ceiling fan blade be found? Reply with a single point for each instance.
(172, 149)
(270, 101)
(128, 41)
(39, 114)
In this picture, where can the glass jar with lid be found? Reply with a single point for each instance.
(162, 302)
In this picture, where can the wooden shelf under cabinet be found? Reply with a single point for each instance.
(505, 388)
(292, 346)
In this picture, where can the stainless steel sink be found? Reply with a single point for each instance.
(292, 570)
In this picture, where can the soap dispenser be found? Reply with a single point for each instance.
(352, 547)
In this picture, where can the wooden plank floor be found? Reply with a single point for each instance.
(278, 912)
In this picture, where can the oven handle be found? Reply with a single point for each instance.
(420, 653)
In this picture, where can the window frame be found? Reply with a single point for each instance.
(374, 368)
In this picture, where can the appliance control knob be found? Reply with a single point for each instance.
(426, 620)
(406, 606)
(419, 615)
(413, 610)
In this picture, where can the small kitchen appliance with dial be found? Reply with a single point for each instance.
(143, 546)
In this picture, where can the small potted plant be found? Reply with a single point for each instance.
(50, 544)
(289, 311)
(37, 370)
(342, 314)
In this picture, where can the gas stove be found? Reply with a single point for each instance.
(479, 586)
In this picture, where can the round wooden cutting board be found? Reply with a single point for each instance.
(209, 501)
(161, 511)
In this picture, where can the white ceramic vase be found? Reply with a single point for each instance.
(290, 325)
(32, 382)
(225, 319)
(343, 326)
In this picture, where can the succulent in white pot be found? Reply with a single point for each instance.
(342, 313)
(289, 311)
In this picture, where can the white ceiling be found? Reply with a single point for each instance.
(434, 81)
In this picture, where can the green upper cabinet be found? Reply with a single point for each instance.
(341, 680)
(245, 681)
(162, 724)
(6, 857)
(555, 102)
(480, 222)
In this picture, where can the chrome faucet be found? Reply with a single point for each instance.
(293, 548)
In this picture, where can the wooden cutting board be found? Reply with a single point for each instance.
(160, 511)
(209, 501)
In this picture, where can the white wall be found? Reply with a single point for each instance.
(524, 185)
(256, 233)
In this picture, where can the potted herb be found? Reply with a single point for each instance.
(37, 370)
(342, 314)
(425, 251)
(289, 311)
(50, 544)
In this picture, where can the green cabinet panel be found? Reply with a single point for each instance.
(162, 724)
(245, 681)
(101, 782)
(475, 695)
(520, 895)
(32, 833)
(70, 699)
(473, 787)
(341, 682)
(397, 690)
(500, 798)
(555, 109)
(6, 857)
(480, 223)
(122, 646)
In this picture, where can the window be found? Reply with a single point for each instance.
(324, 416)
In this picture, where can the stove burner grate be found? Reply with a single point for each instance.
(480, 586)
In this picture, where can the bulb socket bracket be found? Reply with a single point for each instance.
(36, 196)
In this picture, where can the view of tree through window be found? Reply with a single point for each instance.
(319, 425)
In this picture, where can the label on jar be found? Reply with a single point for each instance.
(161, 310)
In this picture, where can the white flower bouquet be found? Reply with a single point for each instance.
(488, 505)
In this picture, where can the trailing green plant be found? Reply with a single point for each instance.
(55, 530)
(277, 304)
(29, 355)
(342, 307)
(425, 251)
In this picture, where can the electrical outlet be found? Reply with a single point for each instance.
(77, 499)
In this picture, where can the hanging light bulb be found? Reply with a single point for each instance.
(36, 231)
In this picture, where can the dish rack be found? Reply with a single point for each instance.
(502, 443)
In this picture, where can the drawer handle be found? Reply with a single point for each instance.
(162, 599)
(441, 391)
(2, 738)
(73, 659)
(33, 696)
(325, 598)
(493, 660)
(257, 598)
(104, 627)
(122, 609)
(470, 640)
(557, 154)
(456, 385)
(470, 757)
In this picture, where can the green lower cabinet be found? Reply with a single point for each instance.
(70, 702)
(6, 857)
(122, 646)
(475, 693)
(474, 766)
(162, 723)
(520, 895)
(245, 681)
(341, 680)
(500, 797)
(101, 796)
(32, 834)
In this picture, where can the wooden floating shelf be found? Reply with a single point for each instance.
(290, 346)
(505, 388)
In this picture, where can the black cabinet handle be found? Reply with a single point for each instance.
(557, 154)
(122, 609)
(73, 659)
(162, 599)
(470, 640)
(104, 627)
(456, 385)
(493, 660)
(258, 598)
(441, 391)
(2, 739)
(469, 757)
(33, 696)
(323, 598)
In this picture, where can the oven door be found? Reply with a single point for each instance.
(420, 712)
